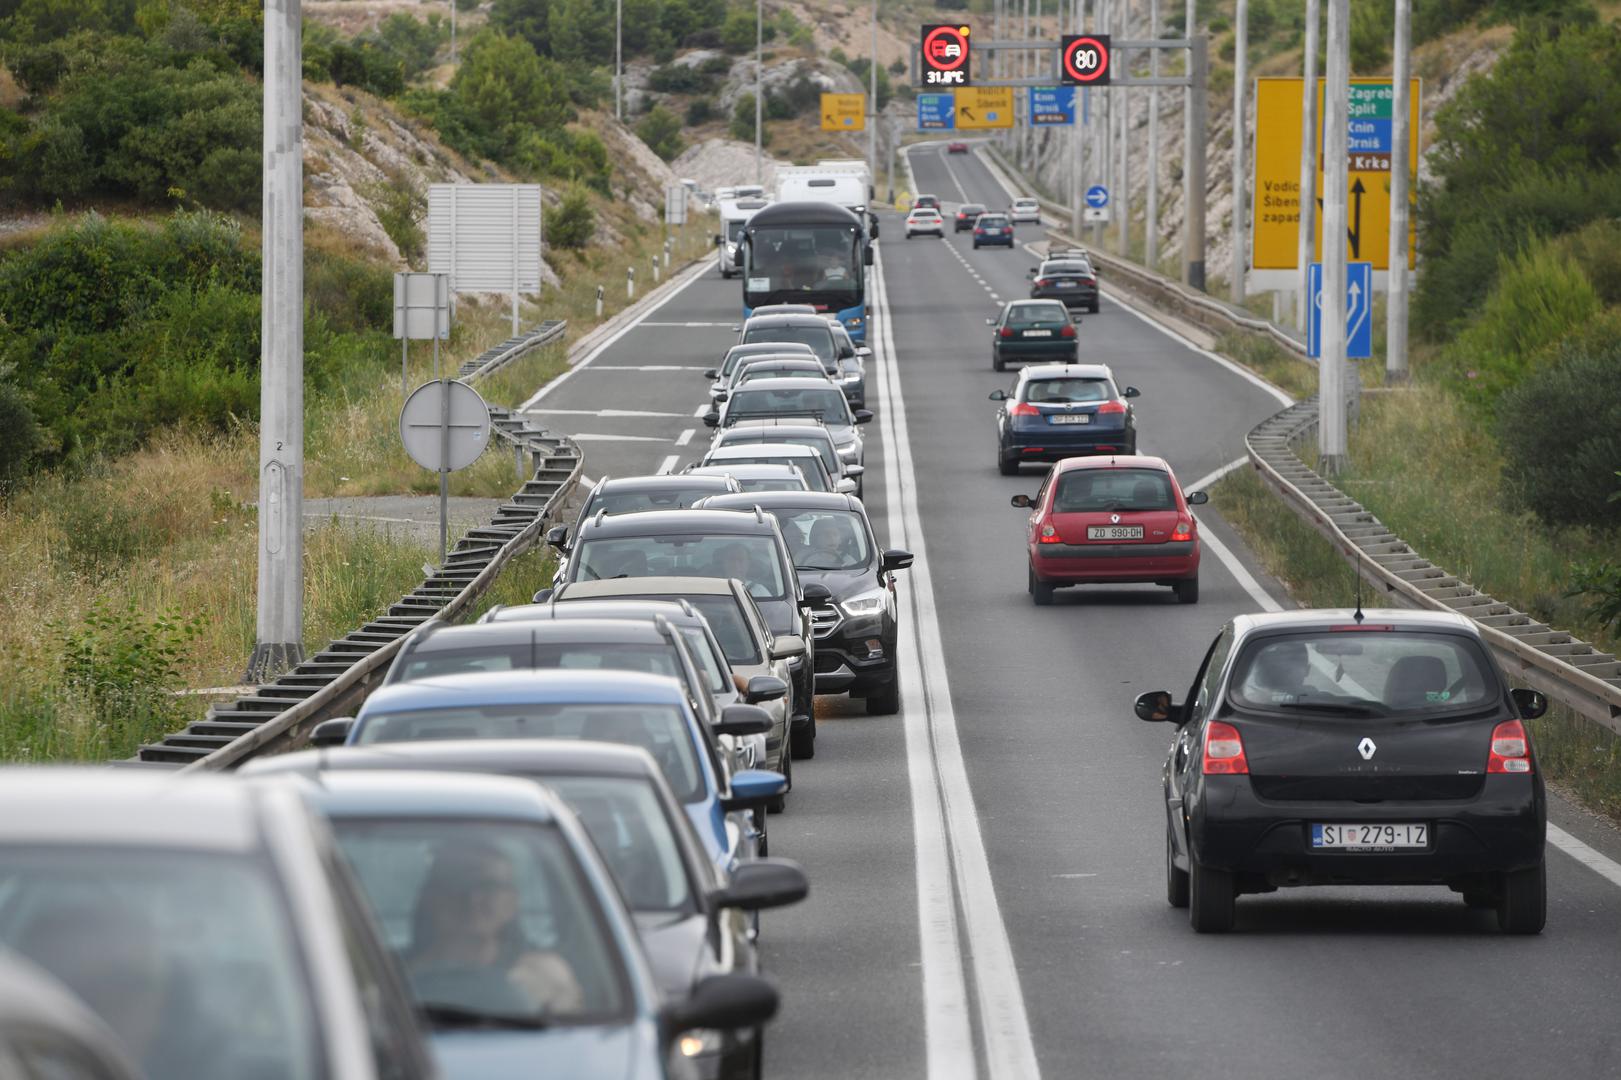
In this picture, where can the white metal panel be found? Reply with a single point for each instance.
(484, 235)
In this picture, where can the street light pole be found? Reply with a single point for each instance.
(619, 60)
(759, 89)
(1151, 211)
(279, 630)
(1240, 145)
(872, 105)
(1396, 307)
(1307, 245)
(1331, 423)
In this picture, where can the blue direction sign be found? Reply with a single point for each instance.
(1097, 196)
(1051, 106)
(936, 112)
(1358, 310)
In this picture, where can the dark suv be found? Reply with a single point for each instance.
(716, 544)
(850, 585)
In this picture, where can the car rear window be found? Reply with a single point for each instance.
(1066, 268)
(652, 659)
(1068, 391)
(813, 476)
(1086, 490)
(1366, 673)
(826, 403)
(993, 219)
(630, 502)
(819, 338)
(1036, 315)
(753, 558)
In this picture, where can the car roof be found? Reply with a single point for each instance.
(994, 214)
(562, 757)
(763, 429)
(618, 610)
(771, 322)
(1111, 461)
(1034, 303)
(795, 384)
(644, 522)
(1323, 618)
(794, 500)
(661, 482)
(774, 449)
(126, 808)
(528, 687)
(1061, 260)
(409, 792)
(1065, 371)
(660, 585)
(756, 470)
(440, 636)
(766, 348)
(795, 361)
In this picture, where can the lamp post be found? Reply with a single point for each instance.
(759, 88)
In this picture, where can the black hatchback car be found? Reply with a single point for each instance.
(1352, 748)
(1032, 330)
(850, 585)
(1069, 280)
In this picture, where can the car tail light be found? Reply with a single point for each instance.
(1068, 330)
(1183, 531)
(1511, 750)
(1039, 281)
(1089, 281)
(1007, 331)
(1224, 750)
(1024, 409)
(1110, 408)
(1049, 535)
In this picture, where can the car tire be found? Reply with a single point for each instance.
(1211, 898)
(1176, 881)
(1093, 308)
(780, 803)
(976, 245)
(802, 739)
(886, 699)
(1522, 900)
(1187, 590)
(1005, 465)
(996, 362)
(1040, 591)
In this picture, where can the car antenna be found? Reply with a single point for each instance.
(1356, 572)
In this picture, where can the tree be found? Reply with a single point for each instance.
(661, 131)
(581, 30)
(742, 127)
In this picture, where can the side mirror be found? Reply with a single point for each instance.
(845, 486)
(542, 595)
(557, 537)
(872, 226)
(855, 470)
(990, 322)
(1033, 271)
(895, 559)
(743, 720)
(863, 352)
(721, 1002)
(753, 788)
(1131, 391)
(711, 373)
(1198, 498)
(737, 257)
(818, 593)
(764, 688)
(1023, 502)
(711, 418)
(333, 732)
(720, 396)
(863, 416)
(1155, 707)
(1530, 703)
(787, 646)
(866, 256)
(998, 395)
(763, 883)
(719, 239)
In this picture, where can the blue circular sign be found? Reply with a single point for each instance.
(1097, 195)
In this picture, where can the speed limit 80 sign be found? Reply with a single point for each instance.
(1085, 60)
(945, 55)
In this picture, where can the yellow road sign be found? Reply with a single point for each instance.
(844, 112)
(1275, 217)
(981, 107)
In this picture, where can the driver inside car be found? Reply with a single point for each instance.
(831, 543)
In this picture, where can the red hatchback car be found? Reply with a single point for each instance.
(1106, 520)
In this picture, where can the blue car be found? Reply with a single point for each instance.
(1057, 411)
(650, 711)
(518, 947)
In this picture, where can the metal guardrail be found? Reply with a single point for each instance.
(279, 715)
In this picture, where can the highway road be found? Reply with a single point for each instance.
(987, 868)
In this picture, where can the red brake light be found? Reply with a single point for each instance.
(1224, 750)
(1089, 281)
(1511, 750)
(1024, 409)
(1068, 330)
(1183, 531)
(1049, 535)
(1007, 331)
(1112, 407)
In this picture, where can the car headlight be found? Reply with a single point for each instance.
(849, 454)
(850, 376)
(699, 1043)
(868, 603)
(854, 320)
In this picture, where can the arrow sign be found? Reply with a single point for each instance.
(1358, 309)
(1097, 195)
(1354, 233)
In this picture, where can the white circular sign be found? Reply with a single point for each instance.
(445, 425)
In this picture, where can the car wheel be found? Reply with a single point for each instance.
(1040, 591)
(996, 362)
(886, 699)
(780, 803)
(1187, 590)
(1007, 466)
(1211, 898)
(976, 245)
(1522, 900)
(1176, 881)
(802, 739)
(1093, 308)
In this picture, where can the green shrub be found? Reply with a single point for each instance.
(20, 435)
(679, 79)
(700, 111)
(122, 662)
(660, 129)
(742, 126)
(572, 223)
(1561, 431)
(1600, 584)
(737, 33)
(401, 206)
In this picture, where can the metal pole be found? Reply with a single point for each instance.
(279, 630)
(1240, 147)
(1190, 23)
(619, 59)
(452, 33)
(1396, 306)
(1307, 244)
(1331, 439)
(1077, 178)
(444, 469)
(405, 369)
(514, 204)
(759, 88)
(1151, 212)
(436, 356)
(872, 104)
(1021, 141)
(1194, 182)
(1123, 228)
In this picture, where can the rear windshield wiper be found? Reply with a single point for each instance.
(443, 1015)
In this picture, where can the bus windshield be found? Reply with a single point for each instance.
(815, 263)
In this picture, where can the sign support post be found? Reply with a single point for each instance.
(1307, 200)
(1331, 413)
(1396, 306)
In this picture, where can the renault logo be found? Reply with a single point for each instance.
(1114, 519)
(1366, 748)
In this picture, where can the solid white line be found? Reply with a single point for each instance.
(590, 436)
(647, 367)
(1600, 864)
(605, 413)
(703, 409)
(725, 324)
(1204, 482)
(931, 731)
(685, 437)
(693, 275)
(669, 464)
(1237, 369)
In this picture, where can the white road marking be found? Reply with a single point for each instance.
(703, 409)
(685, 437)
(728, 325)
(647, 367)
(668, 464)
(950, 847)
(605, 413)
(1602, 865)
(692, 275)
(1240, 573)
(591, 436)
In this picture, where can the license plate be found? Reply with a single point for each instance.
(993, 232)
(1369, 837)
(1069, 418)
(1064, 284)
(1038, 333)
(1114, 532)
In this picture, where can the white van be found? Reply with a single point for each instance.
(734, 215)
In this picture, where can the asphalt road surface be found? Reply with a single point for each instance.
(987, 878)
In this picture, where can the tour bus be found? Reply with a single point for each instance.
(814, 253)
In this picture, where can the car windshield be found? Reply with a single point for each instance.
(754, 559)
(803, 258)
(712, 665)
(1066, 269)
(819, 338)
(822, 445)
(189, 958)
(824, 403)
(661, 730)
(825, 539)
(631, 501)
(1021, 315)
(768, 484)
(652, 659)
(739, 353)
(992, 220)
(1087, 490)
(488, 918)
(1068, 390)
(774, 371)
(972, 208)
(637, 841)
(1370, 671)
(734, 230)
(814, 479)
